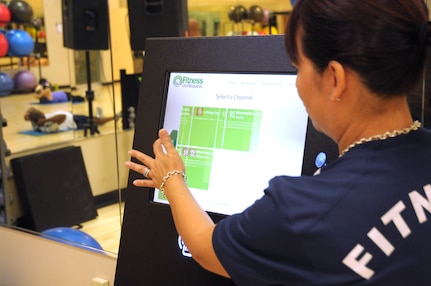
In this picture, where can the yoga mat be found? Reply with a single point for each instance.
(38, 133)
(51, 103)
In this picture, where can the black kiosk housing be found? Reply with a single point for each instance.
(149, 252)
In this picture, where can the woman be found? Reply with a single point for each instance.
(363, 219)
(46, 95)
(61, 120)
(44, 92)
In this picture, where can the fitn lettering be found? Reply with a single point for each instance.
(357, 260)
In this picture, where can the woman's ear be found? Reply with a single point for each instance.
(337, 77)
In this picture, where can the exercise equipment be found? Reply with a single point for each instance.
(5, 15)
(20, 43)
(269, 31)
(130, 84)
(293, 2)
(63, 199)
(237, 13)
(21, 11)
(255, 13)
(24, 81)
(72, 236)
(4, 45)
(6, 84)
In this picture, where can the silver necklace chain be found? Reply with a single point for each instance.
(415, 126)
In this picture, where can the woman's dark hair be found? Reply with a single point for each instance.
(34, 115)
(378, 39)
(44, 83)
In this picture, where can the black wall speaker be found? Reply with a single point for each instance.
(54, 189)
(156, 18)
(85, 24)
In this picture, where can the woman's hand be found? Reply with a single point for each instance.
(166, 160)
(192, 222)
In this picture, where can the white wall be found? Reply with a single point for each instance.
(27, 259)
(120, 44)
(60, 69)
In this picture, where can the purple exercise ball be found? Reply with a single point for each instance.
(25, 81)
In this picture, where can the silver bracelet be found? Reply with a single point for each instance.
(168, 175)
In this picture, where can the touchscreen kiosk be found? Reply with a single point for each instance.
(233, 112)
(227, 128)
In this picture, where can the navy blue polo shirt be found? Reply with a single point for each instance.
(364, 220)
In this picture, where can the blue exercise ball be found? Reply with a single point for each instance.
(6, 84)
(293, 2)
(20, 43)
(24, 81)
(72, 236)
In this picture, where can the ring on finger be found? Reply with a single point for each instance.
(145, 173)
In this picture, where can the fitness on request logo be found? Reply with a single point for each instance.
(185, 81)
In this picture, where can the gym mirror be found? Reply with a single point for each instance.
(66, 69)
